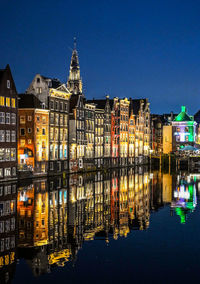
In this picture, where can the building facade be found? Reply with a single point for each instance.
(33, 135)
(115, 132)
(8, 125)
(89, 160)
(124, 137)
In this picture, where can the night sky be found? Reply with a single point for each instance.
(126, 48)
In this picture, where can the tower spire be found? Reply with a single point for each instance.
(74, 82)
(74, 43)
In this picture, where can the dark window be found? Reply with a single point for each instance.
(22, 131)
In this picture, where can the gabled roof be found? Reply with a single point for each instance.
(1, 74)
(6, 74)
(55, 83)
(63, 88)
(28, 101)
(135, 105)
(100, 103)
(183, 116)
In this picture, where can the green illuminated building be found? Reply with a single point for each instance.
(183, 130)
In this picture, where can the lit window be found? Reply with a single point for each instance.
(13, 118)
(13, 103)
(7, 154)
(2, 101)
(22, 142)
(2, 135)
(13, 154)
(2, 154)
(2, 117)
(7, 172)
(29, 141)
(7, 135)
(39, 90)
(29, 118)
(22, 119)
(13, 136)
(7, 118)
(8, 102)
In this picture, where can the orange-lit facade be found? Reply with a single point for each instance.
(115, 131)
(131, 133)
(33, 139)
(124, 133)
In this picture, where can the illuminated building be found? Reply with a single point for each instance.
(33, 135)
(115, 131)
(59, 127)
(99, 137)
(141, 111)
(8, 125)
(8, 231)
(183, 130)
(157, 124)
(54, 96)
(89, 135)
(131, 134)
(180, 133)
(123, 137)
(167, 139)
(103, 111)
(76, 116)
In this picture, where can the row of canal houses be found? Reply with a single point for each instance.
(57, 129)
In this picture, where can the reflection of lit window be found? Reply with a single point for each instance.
(186, 129)
(186, 138)
(178, 129)
(178, 138)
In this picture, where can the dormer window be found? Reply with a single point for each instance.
(8, 84)
(38, 80)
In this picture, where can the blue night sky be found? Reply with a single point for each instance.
(126, 48)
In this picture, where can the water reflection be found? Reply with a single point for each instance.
(46, 221)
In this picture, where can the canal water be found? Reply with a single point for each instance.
(122, 226)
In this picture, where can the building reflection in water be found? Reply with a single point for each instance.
(56, 216)
(8, 231)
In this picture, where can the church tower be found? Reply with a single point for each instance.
(74, 83)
